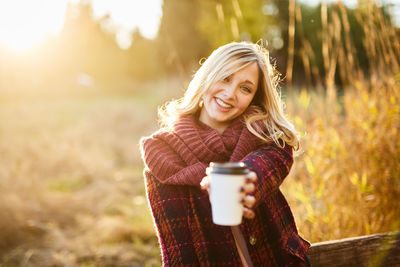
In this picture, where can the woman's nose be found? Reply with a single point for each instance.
(229, 91)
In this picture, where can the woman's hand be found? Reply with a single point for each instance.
(247, 200)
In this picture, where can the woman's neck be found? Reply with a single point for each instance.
(220, 127)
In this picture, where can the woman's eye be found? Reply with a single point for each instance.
(246, 89)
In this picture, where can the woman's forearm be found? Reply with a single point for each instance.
(271, 164)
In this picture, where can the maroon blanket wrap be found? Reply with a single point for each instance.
(175, 164)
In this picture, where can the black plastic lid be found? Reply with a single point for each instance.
(228, 168)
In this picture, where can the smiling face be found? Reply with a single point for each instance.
(227, 99)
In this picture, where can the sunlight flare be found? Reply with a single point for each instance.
(23, 23)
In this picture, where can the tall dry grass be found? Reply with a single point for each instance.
(346, 181)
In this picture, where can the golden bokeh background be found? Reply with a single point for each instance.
(73, 105)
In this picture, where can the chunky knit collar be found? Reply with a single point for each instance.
(180, 155)
(208, 145)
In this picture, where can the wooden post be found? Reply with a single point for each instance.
(370, 251)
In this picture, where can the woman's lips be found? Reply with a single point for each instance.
(222, 105)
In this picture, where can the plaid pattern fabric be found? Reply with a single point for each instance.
(182, 212)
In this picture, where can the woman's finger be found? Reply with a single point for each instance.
(205, 183)
(248, 201)
(248, 213)
(248, 188)
(251, 177)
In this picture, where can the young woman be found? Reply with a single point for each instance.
(231, 111)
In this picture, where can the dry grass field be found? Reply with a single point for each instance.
(72, 190)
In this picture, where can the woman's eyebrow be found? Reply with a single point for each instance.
(248, 81)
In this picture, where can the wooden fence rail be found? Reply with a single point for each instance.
(369, 251)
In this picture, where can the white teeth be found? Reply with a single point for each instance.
(222, 104)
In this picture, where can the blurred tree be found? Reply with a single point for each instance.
(86, 47)
(223, 21)
(179, 41)
(142, 58)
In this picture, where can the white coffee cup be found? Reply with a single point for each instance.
(226, 180)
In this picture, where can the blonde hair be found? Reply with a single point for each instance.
(266, 120)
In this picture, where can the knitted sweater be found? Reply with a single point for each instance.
(175, 164)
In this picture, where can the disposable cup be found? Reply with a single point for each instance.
(225, 182)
